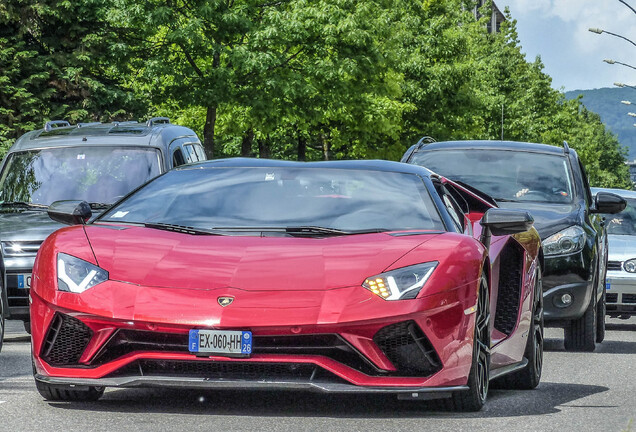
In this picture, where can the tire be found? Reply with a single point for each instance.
(580, 335)
(1, 320)
(68, 393)
(601, 310)
(530, 376)
(474, 398)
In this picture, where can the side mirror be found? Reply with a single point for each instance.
(606, 202)
(498, 222)
(71, 212)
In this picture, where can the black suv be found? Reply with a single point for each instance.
(95, 162)
(551, 183)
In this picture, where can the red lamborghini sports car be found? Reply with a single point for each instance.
(352, 276)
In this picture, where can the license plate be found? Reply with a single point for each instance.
(24, 280)
(232, 342)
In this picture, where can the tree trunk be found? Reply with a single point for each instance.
(208, 132)
(302, 148)
(326, 147)
(263, 148)
(246, 144)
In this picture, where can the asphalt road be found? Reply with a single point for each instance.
(578, 392)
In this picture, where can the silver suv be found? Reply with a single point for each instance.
(95, 162)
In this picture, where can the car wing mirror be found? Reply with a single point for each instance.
(499, 222)
(70, 212)
(606, 202)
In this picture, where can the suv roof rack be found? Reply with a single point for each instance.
(424, 140)
(81, 125)
(157, 120)
(566, 147)
(54, 124)
(119, 123)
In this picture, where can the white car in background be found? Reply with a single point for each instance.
(621, 263)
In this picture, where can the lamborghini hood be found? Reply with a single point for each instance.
(156, 258)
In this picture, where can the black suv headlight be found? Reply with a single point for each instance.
(567, 241)
(76, 275)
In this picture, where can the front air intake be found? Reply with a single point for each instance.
(408, 348)
(65, 341)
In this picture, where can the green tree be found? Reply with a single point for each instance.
(53, 66)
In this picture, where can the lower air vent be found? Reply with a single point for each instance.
(509, 293)
(65, 341)
(611, 298)
(409, 349)
(214, 370)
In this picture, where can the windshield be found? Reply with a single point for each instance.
(92, 174)
(504, 175)
(282, 197)
(623, 223)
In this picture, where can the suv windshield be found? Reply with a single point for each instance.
(292, 199)
(623, 223)
(93, 174)
(505, 175)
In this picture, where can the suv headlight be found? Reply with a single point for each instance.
(630, 265)
(76, 275)
(567, 241)
(400, 284)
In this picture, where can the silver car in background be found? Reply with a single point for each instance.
(621, 265)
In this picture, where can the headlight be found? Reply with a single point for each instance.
(400, 284)
(568, 241)
(630, 265)
(76, 275)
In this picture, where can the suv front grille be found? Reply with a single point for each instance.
(629, 298)
(614, 265)
(17, 292)
(14, 249)
(611, 298)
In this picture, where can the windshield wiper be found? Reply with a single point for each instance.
(180, 229)
(23, 204)
(333, 231)
(505, 200)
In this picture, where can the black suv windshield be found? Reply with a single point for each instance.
(93, 174)
(504, 175)
(296, 200)
(623, 223)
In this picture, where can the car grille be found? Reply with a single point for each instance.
(16, 296)
(408, 348)
(629, 298)
(215, 370)
(65, 341)
(509, 292)
(328, 345)
(614, 265)
(611, 298)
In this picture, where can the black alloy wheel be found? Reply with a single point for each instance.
(474, 398)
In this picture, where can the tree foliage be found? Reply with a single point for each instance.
(293, 79)
(53, 66)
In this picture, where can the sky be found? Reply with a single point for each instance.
(557, 31)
